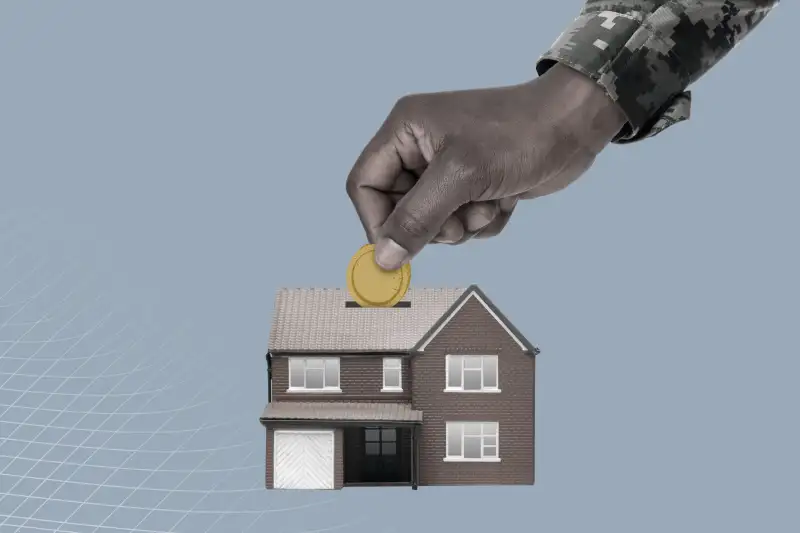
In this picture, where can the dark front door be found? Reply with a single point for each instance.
(381, 455)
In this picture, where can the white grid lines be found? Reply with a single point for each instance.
(103, 433)
(109, 415)
(40, 432)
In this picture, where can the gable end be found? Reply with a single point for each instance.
(474, 292)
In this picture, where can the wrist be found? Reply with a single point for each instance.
(589, 111)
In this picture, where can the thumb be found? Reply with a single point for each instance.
(420, 214)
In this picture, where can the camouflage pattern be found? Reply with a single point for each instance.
(645, 53)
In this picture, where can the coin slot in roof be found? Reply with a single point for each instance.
(403, 304)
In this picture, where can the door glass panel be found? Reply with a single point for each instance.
(389, 448)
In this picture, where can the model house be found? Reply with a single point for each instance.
(438, 390)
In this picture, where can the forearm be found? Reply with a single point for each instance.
(645, 53)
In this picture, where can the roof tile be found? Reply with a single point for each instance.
(309, 320)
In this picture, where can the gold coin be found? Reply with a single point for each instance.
(370, 285)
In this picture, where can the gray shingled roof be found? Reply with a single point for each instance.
(317, 320)
(347, 411)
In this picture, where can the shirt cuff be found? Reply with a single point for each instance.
(634, 65)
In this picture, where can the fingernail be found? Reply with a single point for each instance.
(389, 255)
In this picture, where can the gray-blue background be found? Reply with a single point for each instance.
(166, 166)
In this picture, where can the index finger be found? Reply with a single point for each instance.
(384, 168)
(371, 181)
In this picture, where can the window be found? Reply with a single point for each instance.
(392, 374)
(380, 441)
(471, 373)
(472, 441)
(314, 374)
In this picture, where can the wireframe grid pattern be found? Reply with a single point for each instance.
(108, 426)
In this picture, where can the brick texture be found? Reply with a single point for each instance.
(360, 376)
(474, 331)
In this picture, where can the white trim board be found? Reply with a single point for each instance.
(455, 311)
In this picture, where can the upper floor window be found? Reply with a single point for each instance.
(471, 373)
(314, 374)
(392, 374)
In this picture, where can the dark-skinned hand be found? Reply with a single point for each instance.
(447, 167)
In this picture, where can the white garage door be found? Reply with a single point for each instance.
(303, 460)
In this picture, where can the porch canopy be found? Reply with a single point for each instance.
(341, 412)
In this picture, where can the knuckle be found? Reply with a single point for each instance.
(461, 163)
(358, 174)
(403, 108)
(404, 102)
(351, 186)
(469, 168)
(413, 224)
(353, 182)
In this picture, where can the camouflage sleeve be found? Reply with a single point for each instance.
(645, 53)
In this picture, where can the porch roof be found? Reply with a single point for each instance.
(341, 411)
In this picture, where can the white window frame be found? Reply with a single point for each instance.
(483, 435)
(484, 389)
(393, 364)
(326, 361)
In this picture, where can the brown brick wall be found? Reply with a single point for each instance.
(474, 331)
(338, 457)
(360, 376)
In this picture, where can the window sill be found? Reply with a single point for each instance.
(461, 460)
(314, 391)
(484, 391)
(392, 389)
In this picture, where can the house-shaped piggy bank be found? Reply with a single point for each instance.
(437, 390)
